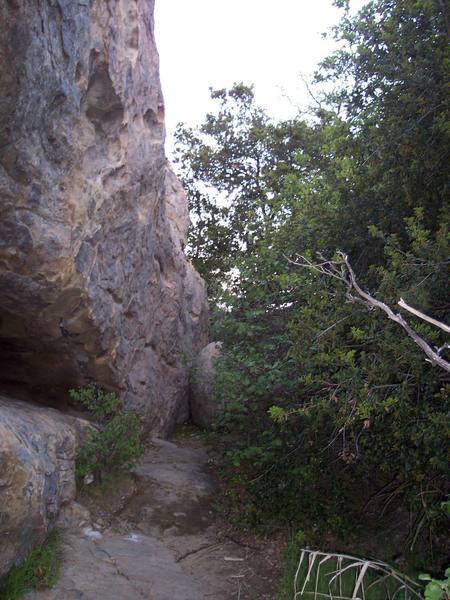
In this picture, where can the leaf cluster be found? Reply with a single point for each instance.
(114, 445)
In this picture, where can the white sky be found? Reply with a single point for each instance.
(214, 43)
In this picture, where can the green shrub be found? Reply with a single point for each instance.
(327, 400)
(437, 589)
(40, 570)
(115, 445)
(335, 423)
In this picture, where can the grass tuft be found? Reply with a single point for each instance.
(40, 570)
(328, 576)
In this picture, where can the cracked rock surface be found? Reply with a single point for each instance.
(165, 544)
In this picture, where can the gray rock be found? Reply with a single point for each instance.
(120, 567)
(166, 544)
(92, 219)
(204, 406)
(37, 456)
(73, 516)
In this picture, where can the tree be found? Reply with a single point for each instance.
(233, 167)
(327, 400)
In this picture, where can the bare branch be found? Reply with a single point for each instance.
(423, 316)
(329, 328)
(324, 268)
(372, 302)
(441, 349)
(341, 269)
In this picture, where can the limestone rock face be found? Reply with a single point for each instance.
(204, 406)
(37, 454)
(94, 284)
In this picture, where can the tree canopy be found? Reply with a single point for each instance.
(336, 418)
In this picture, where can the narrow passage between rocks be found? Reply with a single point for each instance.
(163, 542)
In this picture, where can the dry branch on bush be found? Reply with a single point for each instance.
(341, 269)
(350, 578)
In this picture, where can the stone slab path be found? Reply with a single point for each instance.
(165, 543)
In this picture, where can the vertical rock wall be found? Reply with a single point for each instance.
(94, 284)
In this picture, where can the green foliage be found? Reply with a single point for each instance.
(39, 571)
(437, 589)
(100, 403)
(285, 585)
(334, 421)
(115, 445)
(232, 166)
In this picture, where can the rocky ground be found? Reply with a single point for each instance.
(161, 541)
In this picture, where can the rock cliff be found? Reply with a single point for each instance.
(94, 284)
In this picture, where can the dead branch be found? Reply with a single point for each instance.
(341, 269)
(423, 316)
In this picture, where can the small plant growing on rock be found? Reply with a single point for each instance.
(39, 571)
(114, 446)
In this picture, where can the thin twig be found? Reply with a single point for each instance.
(329, 328)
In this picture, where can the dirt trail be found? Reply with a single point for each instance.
(165, 544)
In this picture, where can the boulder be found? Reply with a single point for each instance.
(94, 283)
(37, 474)
(204, 406)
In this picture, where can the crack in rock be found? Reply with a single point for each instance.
(119, 571)
(196, 551)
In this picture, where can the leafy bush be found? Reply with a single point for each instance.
(115, 445)
(437, 589)
(40, 570)
(335, 423)
(326, 400)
